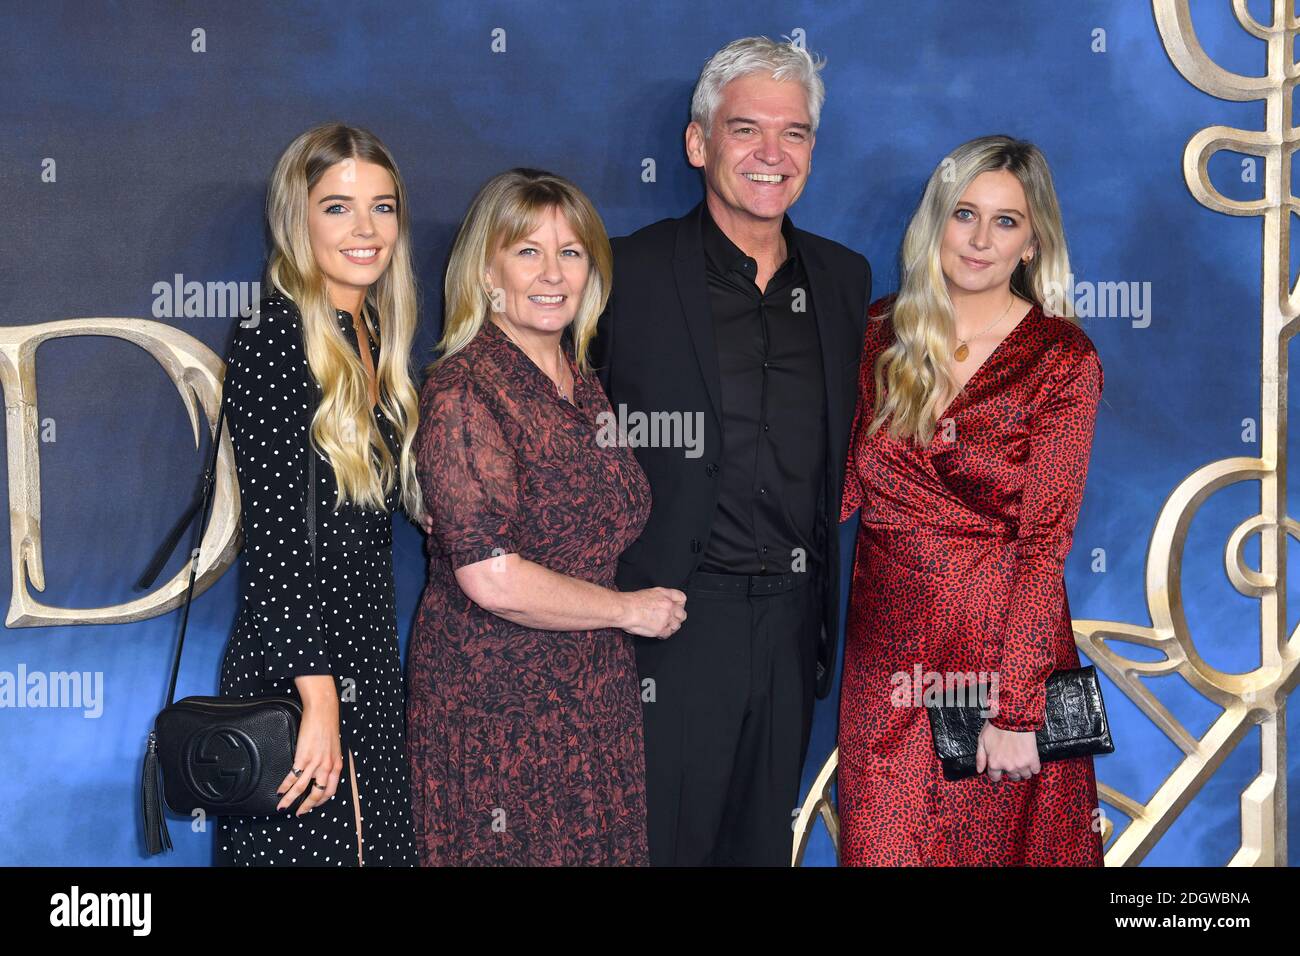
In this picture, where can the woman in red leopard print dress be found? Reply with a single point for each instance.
(964, 531)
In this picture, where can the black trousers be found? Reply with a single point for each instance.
(727, 703)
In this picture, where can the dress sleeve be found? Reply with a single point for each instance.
(468, 473)
(1056, 470)
(266, 413)
(852, 498)
(853, 491)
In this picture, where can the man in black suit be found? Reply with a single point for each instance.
(730, 351)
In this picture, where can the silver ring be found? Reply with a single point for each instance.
(319, 787)
(296, 772)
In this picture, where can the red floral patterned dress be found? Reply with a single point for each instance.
(960, 567)
(525, 745)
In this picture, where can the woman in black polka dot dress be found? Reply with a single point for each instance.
(323, 370)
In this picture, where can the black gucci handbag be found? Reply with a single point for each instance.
(222, 755)
(1074, 724)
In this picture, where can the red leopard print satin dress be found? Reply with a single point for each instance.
(959, 567)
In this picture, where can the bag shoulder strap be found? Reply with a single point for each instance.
(209, 481)
(203, 504)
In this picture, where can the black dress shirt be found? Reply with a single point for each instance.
(773, 411)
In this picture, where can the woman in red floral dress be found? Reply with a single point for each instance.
(968, 458)
(524, 710)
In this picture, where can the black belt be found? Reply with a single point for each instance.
(747, 584)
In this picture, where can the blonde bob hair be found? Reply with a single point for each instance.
(343, 428)
(507, 209)
(911, 375)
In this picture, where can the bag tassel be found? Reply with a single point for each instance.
(156, 836)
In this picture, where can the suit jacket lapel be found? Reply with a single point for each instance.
(693, 292)
(823, 304)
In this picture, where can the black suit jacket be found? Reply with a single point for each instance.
(656, 352)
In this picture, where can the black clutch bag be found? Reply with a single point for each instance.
(1074, 724)
(222, 755)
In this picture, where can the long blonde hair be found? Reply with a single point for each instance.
(343, 428)
(507, 209)
(911, 375)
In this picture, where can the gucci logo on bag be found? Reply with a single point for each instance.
(222, 764)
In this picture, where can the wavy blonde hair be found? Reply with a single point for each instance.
(507, 209)
(911, 375)
(343, 428)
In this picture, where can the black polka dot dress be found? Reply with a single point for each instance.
(337, 618)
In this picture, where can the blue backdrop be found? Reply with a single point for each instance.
(162, 154)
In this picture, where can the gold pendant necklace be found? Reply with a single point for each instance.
(562, 393)
(963, 350)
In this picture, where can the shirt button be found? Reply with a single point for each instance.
(762, 491)
(766, 427)
(710, 469)
(696, 548)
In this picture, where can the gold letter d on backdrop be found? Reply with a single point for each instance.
(196, 371)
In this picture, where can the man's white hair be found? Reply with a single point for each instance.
(751, 55)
